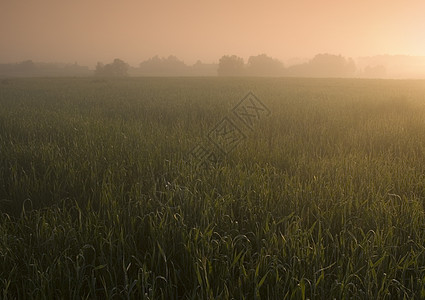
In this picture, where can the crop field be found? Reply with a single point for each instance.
(101, 195)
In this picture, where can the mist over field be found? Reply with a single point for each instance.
(212, 150)
(383, 39)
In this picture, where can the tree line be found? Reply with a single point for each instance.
(321, 65)
(29, 68)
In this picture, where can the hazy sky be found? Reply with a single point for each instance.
(88, 31)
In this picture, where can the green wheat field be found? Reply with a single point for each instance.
(324, 199)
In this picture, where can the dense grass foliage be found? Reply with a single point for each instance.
(324, 199)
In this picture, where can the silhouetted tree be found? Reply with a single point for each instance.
(163, 66)
(231, 66)
(117, 68)
(325, 65)
(263, 65)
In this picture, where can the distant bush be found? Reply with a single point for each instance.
(325, 65)
(117, 68)
(263, 65)
(231, 66)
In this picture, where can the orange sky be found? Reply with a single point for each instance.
(88, 31)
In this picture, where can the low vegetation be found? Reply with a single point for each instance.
(324, 199)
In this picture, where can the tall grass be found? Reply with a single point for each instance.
(324, 199)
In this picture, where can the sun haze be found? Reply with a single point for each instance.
(91, 31)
